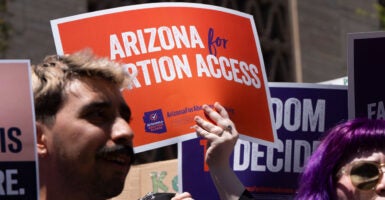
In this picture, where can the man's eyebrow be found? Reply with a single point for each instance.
(95, 105)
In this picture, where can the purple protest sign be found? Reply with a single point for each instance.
(366, 68)
(303, 112)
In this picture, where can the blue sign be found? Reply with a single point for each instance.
(302, 113)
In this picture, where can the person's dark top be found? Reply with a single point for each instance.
(158, 196)
(246, 195)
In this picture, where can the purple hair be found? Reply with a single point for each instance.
(341, 144)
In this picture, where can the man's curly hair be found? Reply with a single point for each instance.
(50, 78)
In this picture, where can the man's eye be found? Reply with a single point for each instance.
(99, 116)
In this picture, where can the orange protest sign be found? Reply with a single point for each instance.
(184, 55)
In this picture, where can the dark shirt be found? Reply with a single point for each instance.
(246, 195)
(167, 196)
(158, 196)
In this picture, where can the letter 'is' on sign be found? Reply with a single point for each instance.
(18, 161)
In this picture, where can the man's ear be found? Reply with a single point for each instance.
(41, 140)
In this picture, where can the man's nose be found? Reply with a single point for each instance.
(122, 132)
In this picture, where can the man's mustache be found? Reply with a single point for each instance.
(117, 149)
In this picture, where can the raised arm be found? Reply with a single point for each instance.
(221, 135)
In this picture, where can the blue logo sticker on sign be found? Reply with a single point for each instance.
(154, 122)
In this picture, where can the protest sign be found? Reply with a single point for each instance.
(337, 81)
(184, 55)
(156, 177)
(303, 112)
(18, 161)
(366, 69)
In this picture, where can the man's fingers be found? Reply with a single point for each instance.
(182, 196)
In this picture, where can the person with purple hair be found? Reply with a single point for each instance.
(347, 165)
